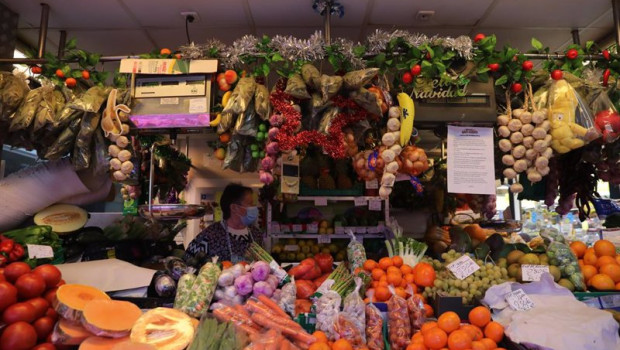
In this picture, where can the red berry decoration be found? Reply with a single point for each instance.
(428, 56)
(165, 52)
(479, 37)
(557, 74)
(527, 66)
(85, 74)
(407, 78)
(606, 55)
(516, 88)
(36, 70)
(416, 70)
(493, 67)
(70, 82)
(60, 74)
(572, 54)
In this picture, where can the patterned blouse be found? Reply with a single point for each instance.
(212, 242)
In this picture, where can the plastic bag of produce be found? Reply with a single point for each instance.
(296, 87)
(354, 309)
(220, 331)
(374, 328)
(327, 311)
(261, 101)
(82, 149)
(560, 255)
(417, 313)
(330, 85)
(45, 112)
(26, 112)
(311, 76)
(359, 78)
(288, 297)
(346, 328)
(247, 123)
(197, 299)
(13, 90)
(356, 253)
(328, 117)
(399, 324)
(606, 117)
(367, 100)
(234, 154)
(241, 96)
(572, 124)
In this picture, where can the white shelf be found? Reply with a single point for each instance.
(332, 236)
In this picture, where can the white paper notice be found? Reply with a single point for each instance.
(197, 105)
(374, 205)
(320, 201)
(324, 239)
(463, 267)
(532, 273)
(360, 201)
(108, 275)
(519, 301)
(372, 184)
(471, 162)
(36, 251)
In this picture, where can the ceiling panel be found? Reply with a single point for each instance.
(66, 14)
(550, 14)
(114, 42)
(306, 32)
(173, 38)
(403, 13)
(167, 13)
(521, 39)
(287, 13)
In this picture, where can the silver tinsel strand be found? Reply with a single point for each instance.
(247, 45)
(192, 51)
(294, 49)
(377, 42)
(214, 45)
(345, 47)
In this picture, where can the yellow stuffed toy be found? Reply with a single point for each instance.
(566, 134)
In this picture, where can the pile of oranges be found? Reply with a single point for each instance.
(393, 272)
(600, 264)
(448, 333)
(322, 343)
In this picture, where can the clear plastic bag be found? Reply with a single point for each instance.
(359, 78)
(606, 117)
(346, 328)
(247, 123)
(241, 96)
(296, 87)
(356, 253)
(261, 101)
(355, 309)
(327, 311)
(417, 313)
(399, 324)
(330, 85)
(374, 328)
(560, 255)
(288, 296)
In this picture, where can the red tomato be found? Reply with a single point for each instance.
(45, 346)
(16, 269)
(44, 326)
(8, 295)
(30, 286)
(40, 306)
(50, 295)
(18, 336)
(50, 273)
(60, 283)
(19, 312)
(51, 313)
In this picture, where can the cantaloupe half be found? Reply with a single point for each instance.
(129, 345)
(110, 318)
(67, 333)
(63, 218)
(164, 328)
(101, 343)
(72, 298)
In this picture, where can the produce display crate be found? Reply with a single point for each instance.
(356, 190)
(443, 304)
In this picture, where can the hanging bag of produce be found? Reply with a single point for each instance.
(399, 324)
(356, 253)
(374, 327)
(606, 117)
(560, 254)
(327, 310)
(354, 309)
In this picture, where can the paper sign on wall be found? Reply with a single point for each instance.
(463, 267)
(471, 168)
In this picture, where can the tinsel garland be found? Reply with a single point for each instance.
(378, 41)
(289, 138)
(294, 49)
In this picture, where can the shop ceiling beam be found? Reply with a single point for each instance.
(327, 23)
(615, 6)
(61, 43)
(45, 16)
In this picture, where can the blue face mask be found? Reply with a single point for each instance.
(251, 214)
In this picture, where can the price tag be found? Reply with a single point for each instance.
(291, 248)
(324, 239)
(36, 251)
(360, 201)
(463, 267)
(519, 301)
(372, 184)
(320, 201)
(372, 229)
(532, 273)
(374, 205)
(284, 228)
(298, 228)
(339, 230)
(275, 227)
(360, 229)
(312, 228)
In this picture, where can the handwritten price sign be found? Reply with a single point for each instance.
(532, 273)
(519, 301)
(463, 267)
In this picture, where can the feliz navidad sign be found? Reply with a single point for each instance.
(436, 88)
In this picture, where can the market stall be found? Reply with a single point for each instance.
(336, 135)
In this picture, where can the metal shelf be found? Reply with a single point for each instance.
(332, 236)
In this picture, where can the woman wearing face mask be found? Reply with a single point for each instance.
(229, 238)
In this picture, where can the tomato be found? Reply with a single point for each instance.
(40, 306)
(43, 326)
(50, 295)
(15, 270)
(45, 346)
(60, 283)
(50, 274)
(8, 295)
(18, 336)
(52, 313)
(19, 312)
(30, 286)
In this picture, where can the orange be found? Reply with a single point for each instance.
(581, 263)
(400, 292)
(409, 277)
(421, 297)
(435, 338)
(479, 316)
(226, 264)
(397, 261)
(588, 271)
(602, 282)
(386, 262)
(382, 294)
(495, 331)
(377, 273)
(473, 331)
(489, 343)
(319, 346)
(429, 310)
(394, 278)
(417, 338)
(369, 265)
(618, 259)
(604, 247)
(590, 258)
(478, 345)
(579, 248)
(449, 321)
(424, 275)
(342, 344)
(393, 269)
(427, 326)
(374, 284)
(165, 52)
(618, 286)
(416, 346)
(459, 340)
(411, 288)
(604, 260)
(225, 137)
(405, 269)
(320, 336)
(611, 270)
(403, 284)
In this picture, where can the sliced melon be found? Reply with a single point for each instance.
(101, 343)
(72, 298)
(129, 345)
(110, 318)
(67, 333)
(165, 328)
(64, 218)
